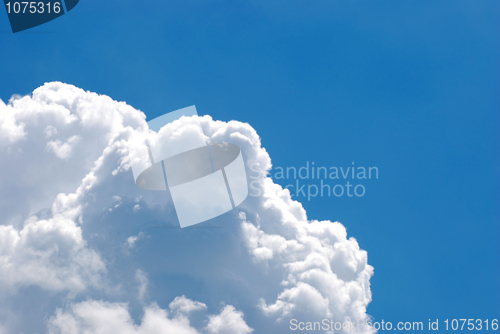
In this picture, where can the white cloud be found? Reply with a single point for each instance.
(132, 239)
(183, 305)
(326, 274)
(35, 169)
(143, 281)
(100, 317)
(50, 131)
(10, 129)
(229, 321)
(49, 253)
(58, 234)
(63, 149)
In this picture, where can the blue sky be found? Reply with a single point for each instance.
(409, 87)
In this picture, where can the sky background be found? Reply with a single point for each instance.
(409, 87)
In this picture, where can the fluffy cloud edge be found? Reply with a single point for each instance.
(322, 266)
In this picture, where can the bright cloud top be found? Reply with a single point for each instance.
(68, 193)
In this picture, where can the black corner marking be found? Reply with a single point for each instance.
(70, 4)
(28, 14)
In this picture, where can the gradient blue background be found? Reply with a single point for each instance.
(409, 87)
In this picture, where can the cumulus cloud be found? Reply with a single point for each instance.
(69, 205)
(104, 317)
(229, 321)
(183, 305)
(49, 253)
(100, 317)
(10, 129)
(326, 274)
(133, 239)
(63, 149)
(325, 271)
